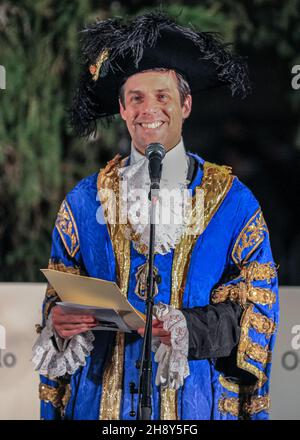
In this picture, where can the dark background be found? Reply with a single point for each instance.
(40, 160)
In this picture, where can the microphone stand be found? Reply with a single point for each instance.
(145, 384)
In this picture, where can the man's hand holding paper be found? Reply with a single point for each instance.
(67, 325)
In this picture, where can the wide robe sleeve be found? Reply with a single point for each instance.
(237, 329)
(53, 357)
(255, 289)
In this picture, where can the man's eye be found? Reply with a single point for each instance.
(136, 98)
(162, 97)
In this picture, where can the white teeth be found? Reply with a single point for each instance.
(152, 125)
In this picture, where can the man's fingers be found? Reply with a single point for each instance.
(73, 319)
(141, 331)
(160, 332)
(165, 340)
(70, 326)
(70, 333)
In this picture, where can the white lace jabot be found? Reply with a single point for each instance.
(171, 222)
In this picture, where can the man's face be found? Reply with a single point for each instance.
(153, 111)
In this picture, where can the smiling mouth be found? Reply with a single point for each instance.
(151, 125)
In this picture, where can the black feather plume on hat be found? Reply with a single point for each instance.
(149, 41)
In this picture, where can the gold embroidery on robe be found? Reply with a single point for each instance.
(255, 351)
(258, 272)
(66, 226)
(245, 350)
(242, 293)
(236, 407)
(250, 238)
(52, 264)
(38, 328)
(216, 183)
(57, 396)
(245, 293)
(237, 388)
(261, 323)
(113, 375)
(248, 349)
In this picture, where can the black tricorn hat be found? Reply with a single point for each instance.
(113, 50)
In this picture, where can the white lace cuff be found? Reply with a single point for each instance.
(67, 359)
(173, 365)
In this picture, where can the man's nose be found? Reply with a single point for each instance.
(150, 107)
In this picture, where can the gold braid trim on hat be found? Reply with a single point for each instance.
(236, 407)
(95, 68)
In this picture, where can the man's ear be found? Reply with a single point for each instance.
(187, 107)
(122, 110)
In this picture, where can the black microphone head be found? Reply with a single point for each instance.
(155, 149)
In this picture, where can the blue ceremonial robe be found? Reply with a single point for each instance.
(230, 260)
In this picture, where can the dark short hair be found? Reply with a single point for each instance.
(182, 85)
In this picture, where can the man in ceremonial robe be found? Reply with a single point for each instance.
(218, 281)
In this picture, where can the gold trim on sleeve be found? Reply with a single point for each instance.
(51, 296)
(110, 404)
(258, 272)
(242, 293)
(58, 397)
(255, 351)
(251, 236)
(245, 349)
(257, 404)
(38, 328)
(67, 228)
(237, 388)
(245, 294)
(52, 264)
(235, 407)
(229, 405)
(262, 324)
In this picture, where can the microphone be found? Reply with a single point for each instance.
(155, 153)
